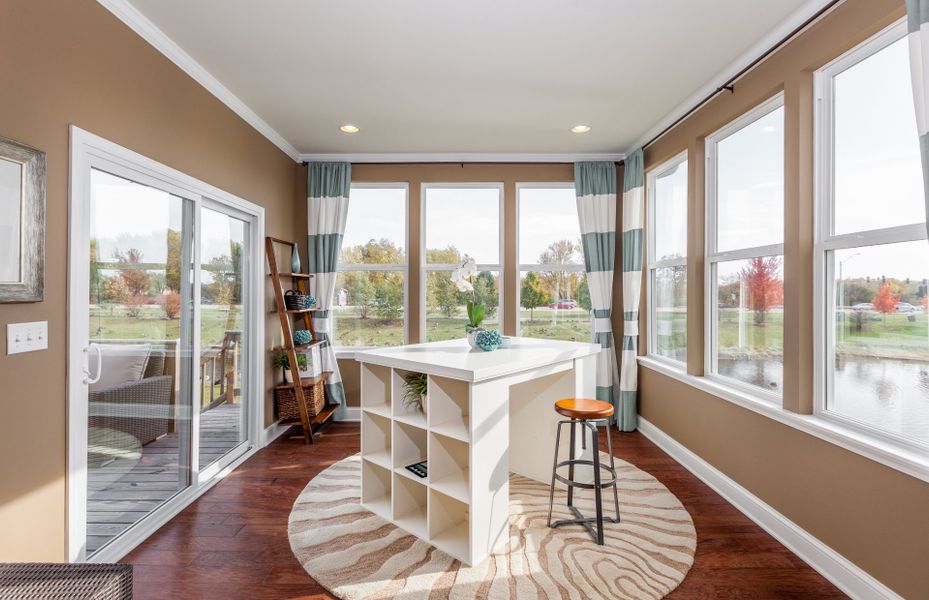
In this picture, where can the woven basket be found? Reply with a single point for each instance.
(286, 398)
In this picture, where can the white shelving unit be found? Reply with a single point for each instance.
(464, 434)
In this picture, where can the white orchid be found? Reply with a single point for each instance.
(463, 276)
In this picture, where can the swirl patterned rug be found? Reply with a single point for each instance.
(356, 554)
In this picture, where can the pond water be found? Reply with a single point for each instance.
(887, 393)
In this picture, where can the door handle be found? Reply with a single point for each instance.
(87, 378)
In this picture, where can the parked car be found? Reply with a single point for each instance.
(867, 306)
(564, 304)
(906, 307)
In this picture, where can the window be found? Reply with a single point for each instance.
(667, 259)
(745, 247)
(872, 256)
(370, 292)
(554, 300)
(459, 220)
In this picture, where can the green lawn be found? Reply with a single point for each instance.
(115, 323)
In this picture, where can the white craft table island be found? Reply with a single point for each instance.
(486, 414)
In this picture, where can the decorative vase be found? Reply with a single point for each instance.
(472, 337)
(422, 405)
(288, 376)
(295, 260)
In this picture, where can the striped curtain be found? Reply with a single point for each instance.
(633, 223)
(327, 207)
(595, 187)
(917, 21)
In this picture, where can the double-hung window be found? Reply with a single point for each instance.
(554, 299)
(667, 259)
(872, 258)
(744, 251)
(460, 220)
(369, 302)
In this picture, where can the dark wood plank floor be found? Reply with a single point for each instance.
(232, 543)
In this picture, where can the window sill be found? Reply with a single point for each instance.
(913, 463)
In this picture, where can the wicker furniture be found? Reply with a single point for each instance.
(140, 408)
(62, 581)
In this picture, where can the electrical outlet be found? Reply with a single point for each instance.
(26, 337)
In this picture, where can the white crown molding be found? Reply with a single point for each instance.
(847, 576)
(796, 19)
(148, 31)
(465, 157)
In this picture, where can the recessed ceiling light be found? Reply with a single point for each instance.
(580, 129)
(349, 128)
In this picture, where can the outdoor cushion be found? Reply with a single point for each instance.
(122, 363)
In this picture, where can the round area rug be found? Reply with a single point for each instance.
(356, 554)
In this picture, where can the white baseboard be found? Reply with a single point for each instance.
(272, 432)
(352, 413)
(844, 574)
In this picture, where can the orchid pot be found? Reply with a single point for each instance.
(463, 278)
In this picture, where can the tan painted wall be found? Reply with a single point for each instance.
(73, 62)
(873, 515)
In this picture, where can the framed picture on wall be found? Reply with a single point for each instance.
(22, 222)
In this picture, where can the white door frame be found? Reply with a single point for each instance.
(90, 151)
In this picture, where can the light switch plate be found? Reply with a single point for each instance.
(26, 337)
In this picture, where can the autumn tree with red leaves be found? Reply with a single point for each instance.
(763, 286)
(885, 301)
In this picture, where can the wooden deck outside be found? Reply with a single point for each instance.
(128, 488)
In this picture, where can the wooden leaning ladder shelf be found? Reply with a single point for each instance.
(301, 281)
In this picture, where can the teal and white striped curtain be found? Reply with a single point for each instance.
(917, 21)
(633, 223)
(327, 207)
(595, 187)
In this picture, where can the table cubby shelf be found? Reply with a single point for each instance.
(437, 507)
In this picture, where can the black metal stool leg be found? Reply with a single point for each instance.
(598, 492)
(609, 447)
(571, 457)
(551, 494)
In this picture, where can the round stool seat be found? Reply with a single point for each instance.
(584, 409)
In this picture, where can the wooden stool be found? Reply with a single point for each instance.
(588, 414)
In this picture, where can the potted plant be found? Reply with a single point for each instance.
(414, 391)
(463, 278)
(284, 363)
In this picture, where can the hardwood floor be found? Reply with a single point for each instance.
(232, 542)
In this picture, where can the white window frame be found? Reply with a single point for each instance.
(427, 267)
(713, 256)
(520, 266)
(826, 242)
(404, 267)
(652, 263)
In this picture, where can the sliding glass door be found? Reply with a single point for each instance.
(163, 311)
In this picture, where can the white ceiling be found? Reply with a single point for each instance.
(467, 76)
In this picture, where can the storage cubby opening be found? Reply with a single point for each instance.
(409, 445)
(376, 439)
(375, 388)
(376, 488)
(449, 525)
(410, 414)
(410, 501)
(448, 408)
(449, 466)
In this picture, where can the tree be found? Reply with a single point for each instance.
(172, 304)
(763, 284)
(486, 292)
(388, 298)
(531, 294)
(97, 279)
(360, 290)
(583, 295)
(560, 284)
(173, 266)
(444, 295)
(885, 301)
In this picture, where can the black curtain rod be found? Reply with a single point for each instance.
(730, 83)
